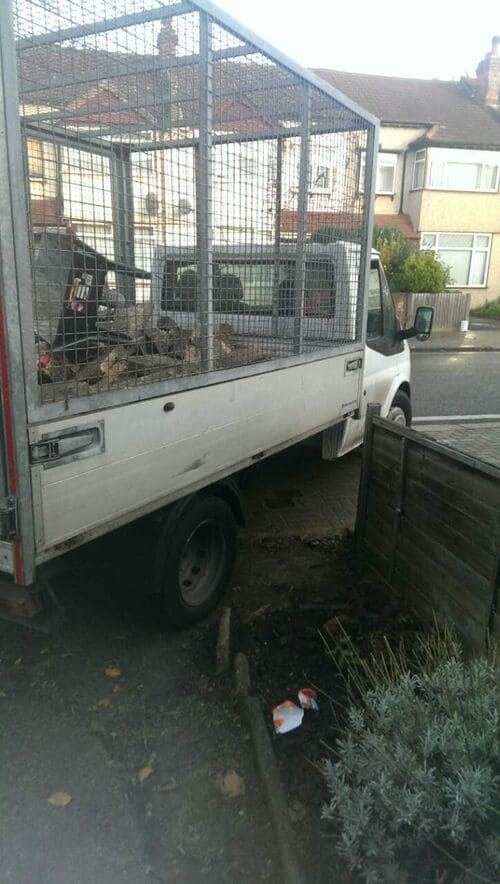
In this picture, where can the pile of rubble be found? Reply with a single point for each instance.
(130, 349)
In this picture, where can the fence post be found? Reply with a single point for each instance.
(398, 511)
(372, 410)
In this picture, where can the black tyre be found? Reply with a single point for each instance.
(400, 410)
(195, 559)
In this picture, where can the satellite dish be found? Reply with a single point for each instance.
(151, 204)
(184, 207)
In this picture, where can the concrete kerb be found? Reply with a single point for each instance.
(268, 771)
(223, 647)
(440, 419)
(456, 349)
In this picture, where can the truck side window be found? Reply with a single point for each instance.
(374, 321)
(388, 314)
(381, 330)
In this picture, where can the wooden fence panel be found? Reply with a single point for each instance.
(450, 308)
(429, 523)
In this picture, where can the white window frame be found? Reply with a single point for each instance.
(362, 171)
(474, 248)
(449, 156)
(36, 158)
(420, 160)
(313, 174)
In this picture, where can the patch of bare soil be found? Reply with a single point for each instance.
(289, 607)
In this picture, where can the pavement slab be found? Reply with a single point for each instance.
(481, 336)
(478, 438)
(128, 718)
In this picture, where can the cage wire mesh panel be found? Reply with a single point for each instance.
(194, 204)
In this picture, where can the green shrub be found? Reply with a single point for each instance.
(330, 233)
(415, 781)
(407, 269)
(422, 272)
(394, 249)
(491, 310)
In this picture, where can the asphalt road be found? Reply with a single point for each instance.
(455, 383)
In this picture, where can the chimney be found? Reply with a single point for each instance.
(167, 41)
(488, 75)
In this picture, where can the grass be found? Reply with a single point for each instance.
(491, 310)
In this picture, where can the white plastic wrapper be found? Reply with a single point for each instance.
(287, 716)
(308, 699)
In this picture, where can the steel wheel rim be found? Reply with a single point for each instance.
(201, 563)
(397, 415)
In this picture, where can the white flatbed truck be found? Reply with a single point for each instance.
(152, 348)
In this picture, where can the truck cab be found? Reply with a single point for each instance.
(387, 368)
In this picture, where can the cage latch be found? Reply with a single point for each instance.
(68, 446)
(8, 518)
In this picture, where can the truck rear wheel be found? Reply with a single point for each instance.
(196, 559)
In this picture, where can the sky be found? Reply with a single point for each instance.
(424, 38)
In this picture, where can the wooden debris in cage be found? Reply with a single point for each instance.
(153, 353)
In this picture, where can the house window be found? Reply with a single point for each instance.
(320, 178)
(248, 166)
(142, 161)
(466, 255)
(419, 170)
(35, 157)
(476, 171)
(386, 173)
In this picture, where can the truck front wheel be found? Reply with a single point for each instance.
(195, 559)
(400, 410)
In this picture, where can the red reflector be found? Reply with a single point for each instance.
(44, 360)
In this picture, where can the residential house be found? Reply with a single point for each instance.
(438, 172)
(88, 96)
(438, 162)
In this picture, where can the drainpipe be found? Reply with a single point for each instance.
(403, 181)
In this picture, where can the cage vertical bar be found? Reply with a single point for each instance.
(203, 154)
(15, 296)
(123, 221)
(300, 263)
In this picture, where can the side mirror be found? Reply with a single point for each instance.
(422, 326)
(424, 318)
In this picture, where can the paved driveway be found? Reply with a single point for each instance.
(480, 439)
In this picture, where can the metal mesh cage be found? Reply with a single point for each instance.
(194, 202)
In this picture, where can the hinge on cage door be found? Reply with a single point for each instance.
(8, 518)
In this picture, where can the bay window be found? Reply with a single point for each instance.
(419, 170)
(466, 255)
(455, 169)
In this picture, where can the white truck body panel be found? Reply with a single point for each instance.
(151, 456)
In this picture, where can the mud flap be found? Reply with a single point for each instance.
(331, 441)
